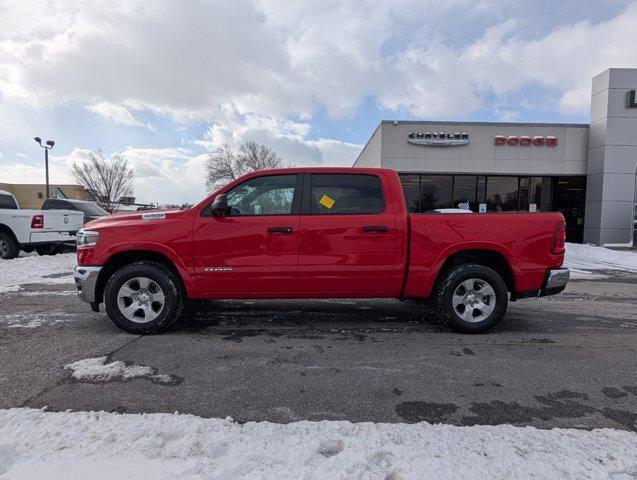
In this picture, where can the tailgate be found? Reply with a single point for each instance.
(59, 226)
(62, 221)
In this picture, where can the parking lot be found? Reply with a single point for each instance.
(564, 361)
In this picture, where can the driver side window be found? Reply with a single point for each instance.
(271, 195)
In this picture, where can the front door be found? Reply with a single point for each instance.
(253, 250)
(349, 241)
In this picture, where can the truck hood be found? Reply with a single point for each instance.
(129, 218)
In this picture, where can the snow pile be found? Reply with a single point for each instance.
(585, 260)
(32, 269)
(66, 445)
(97, 370)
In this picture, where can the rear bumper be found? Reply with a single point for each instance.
(554, 283)
(86, 282)
(53, 237)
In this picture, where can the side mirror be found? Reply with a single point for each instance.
(219, 205)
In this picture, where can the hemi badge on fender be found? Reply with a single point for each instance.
(153, 216)
(217, 269)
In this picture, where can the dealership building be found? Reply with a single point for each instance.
(586, 171)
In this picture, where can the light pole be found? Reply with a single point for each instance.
(47, 146)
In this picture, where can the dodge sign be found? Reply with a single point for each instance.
(526, 141)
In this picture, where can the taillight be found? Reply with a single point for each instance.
(37, 221)
(559, 239)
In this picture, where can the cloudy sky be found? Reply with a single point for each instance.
(164, 82)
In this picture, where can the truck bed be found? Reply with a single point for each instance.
(522, 239)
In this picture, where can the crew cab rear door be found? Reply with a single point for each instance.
(254, 249)
(349, 239)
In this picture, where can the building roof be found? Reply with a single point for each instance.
(500, 124)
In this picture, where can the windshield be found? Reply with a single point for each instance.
(90, 209)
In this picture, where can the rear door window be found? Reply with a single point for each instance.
(7, 202)
(345, 194)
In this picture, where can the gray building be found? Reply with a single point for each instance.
(587, 172)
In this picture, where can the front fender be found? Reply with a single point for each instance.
(184, 271)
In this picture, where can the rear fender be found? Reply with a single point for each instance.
(467, 246)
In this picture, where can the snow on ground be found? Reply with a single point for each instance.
(77, 445)
(36, 269)
(97, 370)
(32, 320)
(585, 260)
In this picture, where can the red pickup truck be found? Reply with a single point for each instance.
(317, 233)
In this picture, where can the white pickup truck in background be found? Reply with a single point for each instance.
(45, 231)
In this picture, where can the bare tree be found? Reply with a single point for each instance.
(227, 164)
(107, 180)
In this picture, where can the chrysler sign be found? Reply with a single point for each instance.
(525, 141)
(438, 139)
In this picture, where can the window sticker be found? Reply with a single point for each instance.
(327, 202)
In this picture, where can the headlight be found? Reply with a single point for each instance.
(87, 238)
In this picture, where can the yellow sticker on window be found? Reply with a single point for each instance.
(327, 202)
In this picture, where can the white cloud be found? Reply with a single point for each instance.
(279, 59)
(17, 172)
(164, 175)
(117, 113)
(286, 137)
(167, 175)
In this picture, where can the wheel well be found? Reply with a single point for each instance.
(122, 259)
(8, 231)
(488, 258)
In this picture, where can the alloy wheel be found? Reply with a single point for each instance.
(473, 300)
(141, 300)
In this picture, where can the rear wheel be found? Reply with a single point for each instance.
(471, 298)
(9, 248)
(144, 297)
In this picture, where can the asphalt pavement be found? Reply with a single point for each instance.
(564, 361)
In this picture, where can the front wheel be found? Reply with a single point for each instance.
(471, 298)
(144, 297)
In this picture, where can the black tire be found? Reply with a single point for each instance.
(451, 282)
(49, 249)
(162, 277)
(9, 247)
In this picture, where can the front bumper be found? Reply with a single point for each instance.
(86, 282)
(556, 281)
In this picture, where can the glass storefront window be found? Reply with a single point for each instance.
(435, 192)
(535, 191)
(569, 199)
(565, 194)
(464, 192)
(502, 194)
(411, 189)
(481, 191)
